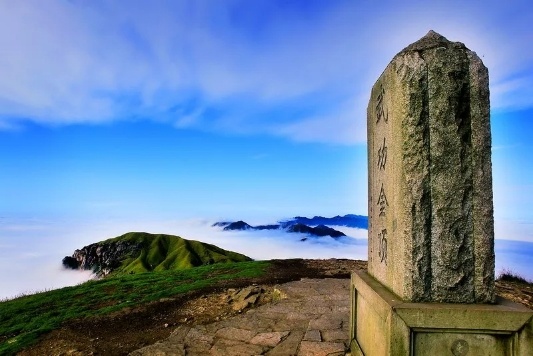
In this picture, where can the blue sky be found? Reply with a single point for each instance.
(231, 109)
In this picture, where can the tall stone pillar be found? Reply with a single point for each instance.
(429, 289)
(431, 231)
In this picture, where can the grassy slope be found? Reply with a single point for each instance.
(24, 319)
(167, 252)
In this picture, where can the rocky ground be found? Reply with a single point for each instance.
(308, 317)
(133, 329)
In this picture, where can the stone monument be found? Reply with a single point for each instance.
(430, 282)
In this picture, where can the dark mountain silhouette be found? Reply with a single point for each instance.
(320, 230)
(237, 225)
(323, 224)
(303, 225)
(349, 220)
(267, 227)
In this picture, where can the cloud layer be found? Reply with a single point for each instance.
(301, 70)
(31, 250)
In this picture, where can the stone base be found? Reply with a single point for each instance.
(383, 324)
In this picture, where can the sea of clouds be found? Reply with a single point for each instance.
(31, 250)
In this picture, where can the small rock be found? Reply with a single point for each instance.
(246, 297)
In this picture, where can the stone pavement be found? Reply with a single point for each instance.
(310, 317)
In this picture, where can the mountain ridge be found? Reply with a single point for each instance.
(300, 224)
(348, 220)
(135, 252)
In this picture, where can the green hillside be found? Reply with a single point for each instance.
(167, 252)
(137, 252)
(24, 319)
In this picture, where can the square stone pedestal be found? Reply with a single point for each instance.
(382, 324)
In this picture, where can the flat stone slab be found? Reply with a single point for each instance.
(311, 310)
(269, 339)
(232, 333)
(313, 335)
(312, 348)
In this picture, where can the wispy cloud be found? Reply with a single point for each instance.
(505, 147)
(512, 93)
(347, 125)
(91, 62)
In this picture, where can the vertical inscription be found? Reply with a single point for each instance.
(382, 201)
(382, 245)
(380, 110)
(382, 155)
(382, 118)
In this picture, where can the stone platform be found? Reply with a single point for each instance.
(383, 324)
(310, 318)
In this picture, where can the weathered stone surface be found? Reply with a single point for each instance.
(200, 334)
(313, 335)
(233, 347)
(334, 335)
(269, 339)
(235, 334)
(272, 329)
(431, 228)
(331, 321)
(384, 325)
(311, 348)
(289, 346)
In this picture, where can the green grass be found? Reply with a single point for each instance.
(24, 319)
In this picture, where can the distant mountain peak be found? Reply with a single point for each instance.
(349, 220)
(320, 230)
(238, 225)
(305, 225)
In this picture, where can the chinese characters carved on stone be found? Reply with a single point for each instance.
(381, 114)
(382, 155)
(382, 245)
(382, 201)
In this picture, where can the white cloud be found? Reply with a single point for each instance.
(346, 126)
(78, 62)
(189, 119)
(512, 94)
